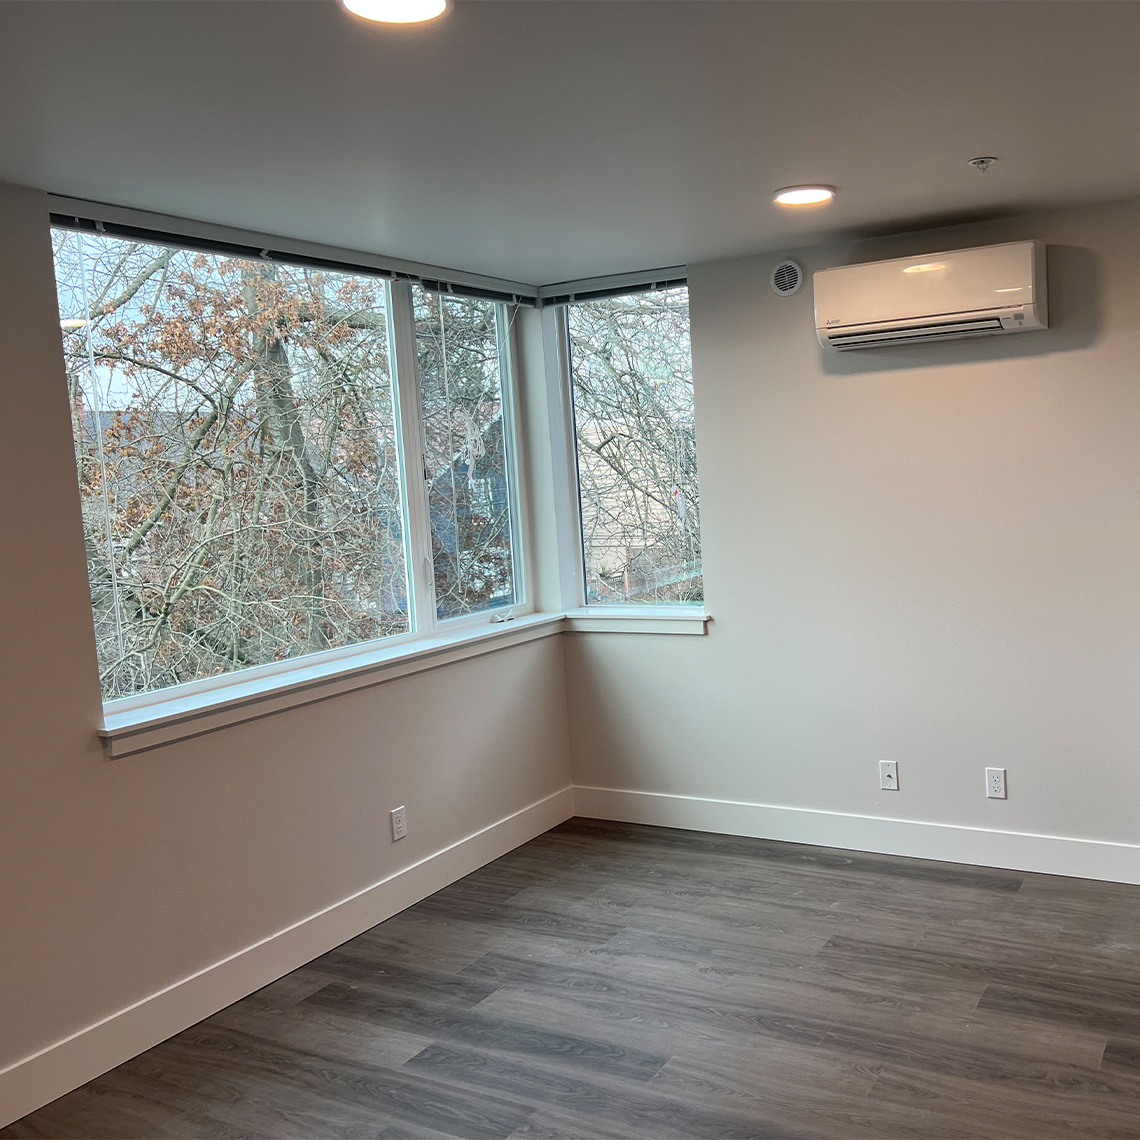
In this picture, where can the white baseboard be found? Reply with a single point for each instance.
(64, 1065)
(1015, 850)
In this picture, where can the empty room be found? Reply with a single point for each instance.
(571, 569)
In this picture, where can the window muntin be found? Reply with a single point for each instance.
(460, 349)
(238, 460)
(632, 379)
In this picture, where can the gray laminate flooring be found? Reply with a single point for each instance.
(608, 980)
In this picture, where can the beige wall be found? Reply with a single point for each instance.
(118, 878)
(929, 555)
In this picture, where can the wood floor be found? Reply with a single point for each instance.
(608, 980)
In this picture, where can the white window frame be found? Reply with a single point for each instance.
(144, 720)
(420, 564)
(564, 454)
(581, 616)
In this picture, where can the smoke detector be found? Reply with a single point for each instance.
(786, 279)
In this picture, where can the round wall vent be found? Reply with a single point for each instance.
(787, 278)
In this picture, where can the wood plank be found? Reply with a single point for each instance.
(595, 1098)
(485, 1030)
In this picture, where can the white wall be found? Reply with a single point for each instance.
(120, 878)
(928, 554)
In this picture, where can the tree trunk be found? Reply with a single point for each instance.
(284, 433)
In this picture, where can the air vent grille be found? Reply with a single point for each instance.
(787, 278)
(909, 334)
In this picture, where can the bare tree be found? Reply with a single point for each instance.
(239, 468)
(637, 465)
(237, 458)
(459, 369)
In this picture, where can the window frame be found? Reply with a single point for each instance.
(426, 630)
(142, 721)
(421, 550)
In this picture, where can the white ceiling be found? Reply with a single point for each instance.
(544, 140)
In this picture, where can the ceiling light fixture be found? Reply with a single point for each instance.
(804, 195)
(397, 11)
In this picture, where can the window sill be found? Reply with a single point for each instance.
(127, 731)
(638, 619)
(180, 717)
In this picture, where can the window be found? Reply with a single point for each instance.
(239, 456)
(460, 350)
(632, 377)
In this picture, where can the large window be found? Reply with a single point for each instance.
(239, 456)
(632, 376)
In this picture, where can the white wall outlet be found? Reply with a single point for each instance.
(995, 783)
(399, 823)
(889, 775)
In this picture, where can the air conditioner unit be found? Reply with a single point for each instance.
(987, 291)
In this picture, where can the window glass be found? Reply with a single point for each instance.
(236, 448)
(632, 374)
(460, 360)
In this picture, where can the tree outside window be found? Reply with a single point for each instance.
(238, 466)
(632, 375)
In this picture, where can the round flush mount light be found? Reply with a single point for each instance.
(397, 11)
(804, 195)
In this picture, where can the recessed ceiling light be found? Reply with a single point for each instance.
(804, 195)
(397, 11)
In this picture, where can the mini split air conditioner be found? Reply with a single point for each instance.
(940, 296)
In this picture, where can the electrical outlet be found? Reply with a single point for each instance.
(995, 783)
(889, 775)
(399, 824)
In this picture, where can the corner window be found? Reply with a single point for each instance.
(239, 456)
(632, 377)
